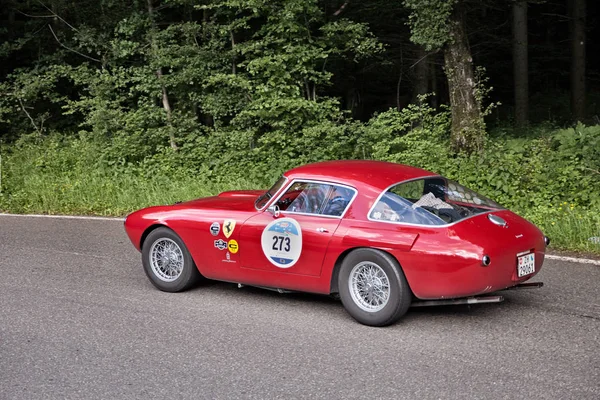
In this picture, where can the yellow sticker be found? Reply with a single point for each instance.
(228, 227)
(232, 246)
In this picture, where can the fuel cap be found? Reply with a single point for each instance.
(497, 220)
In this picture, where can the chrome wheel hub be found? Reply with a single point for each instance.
(166, 259)
(369, 286)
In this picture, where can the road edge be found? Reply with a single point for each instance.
(84, 217)
(573, 259)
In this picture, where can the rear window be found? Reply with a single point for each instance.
(430, 201)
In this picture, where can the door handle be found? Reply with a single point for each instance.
(322, 230)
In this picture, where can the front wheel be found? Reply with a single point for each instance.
(373, 288)
(167, 262)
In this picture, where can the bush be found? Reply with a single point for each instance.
(550, 177)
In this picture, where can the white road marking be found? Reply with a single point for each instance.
(63, 217)
(573, 259)
(83, 217)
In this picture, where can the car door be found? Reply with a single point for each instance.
(295, 238)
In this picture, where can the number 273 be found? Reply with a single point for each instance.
(278, 243)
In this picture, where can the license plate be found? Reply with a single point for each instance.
(526, 264)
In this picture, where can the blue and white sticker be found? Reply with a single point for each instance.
(281, 242)
(215, 228)
(220, 244)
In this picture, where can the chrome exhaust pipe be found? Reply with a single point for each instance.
(453, 302)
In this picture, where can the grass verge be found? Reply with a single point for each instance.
(71, 180)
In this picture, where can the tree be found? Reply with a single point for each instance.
(159, 74)
(520, 67)
(422, 74)
(577, 17)
(440, 24)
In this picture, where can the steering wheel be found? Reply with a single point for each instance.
(284, 202)
(300, 203)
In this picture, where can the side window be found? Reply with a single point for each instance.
(338, 199)
(412, 190)
(404, 202)
(315, 198)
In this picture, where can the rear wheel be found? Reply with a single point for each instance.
(167, 262)
(373, 288)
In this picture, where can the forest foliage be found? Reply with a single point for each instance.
(108, 106)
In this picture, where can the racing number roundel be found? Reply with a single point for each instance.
(282, 242)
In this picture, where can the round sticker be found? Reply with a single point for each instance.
(282, 242)
(232, 246)
(215, 228)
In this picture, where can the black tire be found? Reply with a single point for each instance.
(188, 275)
(399, 294)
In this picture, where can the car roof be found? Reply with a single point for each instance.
(376, 174)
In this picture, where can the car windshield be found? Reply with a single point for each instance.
(430, 201)
(265, 197)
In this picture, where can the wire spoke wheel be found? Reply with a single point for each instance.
(369, 286)
(166, 259)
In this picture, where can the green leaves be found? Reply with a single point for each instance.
(428, 22)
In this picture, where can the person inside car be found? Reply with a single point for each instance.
(338, 200)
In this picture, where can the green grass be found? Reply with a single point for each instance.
(48, 178)
(568, 226)
(44, 178)
(98, 194)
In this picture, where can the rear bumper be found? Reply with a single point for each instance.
(471, 279)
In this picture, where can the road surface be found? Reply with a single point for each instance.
(80, 320)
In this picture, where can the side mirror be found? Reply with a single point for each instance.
(274, 210)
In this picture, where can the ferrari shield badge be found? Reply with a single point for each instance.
(228, 227)
(281, 242)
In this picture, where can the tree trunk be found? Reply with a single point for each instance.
(421, 75)
(577, 11)
(520, 68)
(433, 83)
(159, 75)
(468, 129)
(233, 61)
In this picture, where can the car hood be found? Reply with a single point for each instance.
(238, 200)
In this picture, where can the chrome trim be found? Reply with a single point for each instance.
(486, 260)
(494, 219)
(526, 285)
(290, 183)
(466, 300)
(422, 225)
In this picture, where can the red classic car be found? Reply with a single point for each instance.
(383, 236)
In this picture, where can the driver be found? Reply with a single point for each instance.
(339, 199)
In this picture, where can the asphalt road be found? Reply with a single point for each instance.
(80, 320)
